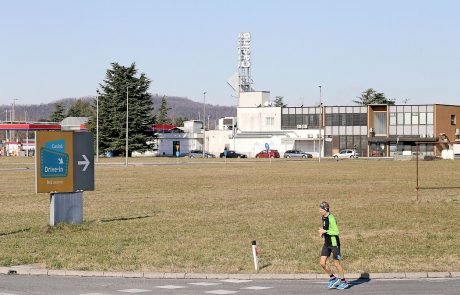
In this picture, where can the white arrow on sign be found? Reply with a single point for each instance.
(85, 162)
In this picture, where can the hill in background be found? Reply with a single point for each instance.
(179, 107)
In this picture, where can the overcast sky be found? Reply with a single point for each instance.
(406, 49)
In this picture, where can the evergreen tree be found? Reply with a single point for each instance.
(58, 114)
(121, 82)
(80, 108)
(179, 121)
(370, 96)
(279, 102)
(162, 116)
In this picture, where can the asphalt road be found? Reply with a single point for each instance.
(23, 284)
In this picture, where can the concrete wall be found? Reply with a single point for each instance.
(255, 119)
(254, 99)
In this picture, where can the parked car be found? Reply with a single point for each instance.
(233, 154)
(199, 154)
(268, 154)
(346, 153)
(297, 154)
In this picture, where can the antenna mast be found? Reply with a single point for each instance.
(244, 62)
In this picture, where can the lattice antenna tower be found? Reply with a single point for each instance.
(241, 81)
(244, 62)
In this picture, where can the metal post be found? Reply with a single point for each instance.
(6, 130)
(97, 128)
(127, 109)
(417, 168)
(27, 134)
(320, 124)
(13, 134)
(204, 122)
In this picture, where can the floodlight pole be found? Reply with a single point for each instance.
(27, 133)
(320, 123)
(97, 128)
(6, 130)
(127, 109)
(204, 122)
(12, 133)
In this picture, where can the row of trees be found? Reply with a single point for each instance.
(79, 108)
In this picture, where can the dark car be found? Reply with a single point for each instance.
(297, 154)
(268, 154)
(233, 154)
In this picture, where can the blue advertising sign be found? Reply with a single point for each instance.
(54, 162)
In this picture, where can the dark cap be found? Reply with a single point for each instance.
(324, 205)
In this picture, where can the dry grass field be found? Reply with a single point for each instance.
(201, 216)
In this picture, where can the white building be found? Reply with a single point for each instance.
(182, 139)
(258, 123)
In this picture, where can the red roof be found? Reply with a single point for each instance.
(163, 127)
(33, 126)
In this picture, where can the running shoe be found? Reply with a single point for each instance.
(342, 285)
(333, 283)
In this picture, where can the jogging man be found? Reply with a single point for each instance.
(330, 232)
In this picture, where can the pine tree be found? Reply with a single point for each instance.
(162, 116)
(80, 108)
(58, 114)
(370, 96)
(119, 84)
(179, 121)
(279, 102)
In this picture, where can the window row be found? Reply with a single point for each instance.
(344, 119)
(408, 118)
(300, 111)
(299, 121)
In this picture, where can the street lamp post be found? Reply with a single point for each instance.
(97, 128)
(13, 119)
(204, 122)
(127, 109)
(6, 120)
(320, 123)
(27, 133)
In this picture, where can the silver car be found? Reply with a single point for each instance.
(346, 153)
(199, 154)
(297, 154)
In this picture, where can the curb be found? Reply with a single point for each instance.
(30, 270)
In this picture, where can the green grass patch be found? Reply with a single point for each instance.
(201, 215)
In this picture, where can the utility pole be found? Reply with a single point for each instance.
(13, 119)
(320, 123)
(204, 122)
(27, 133)
(97, 128)
(6, 120)
(127, 109)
